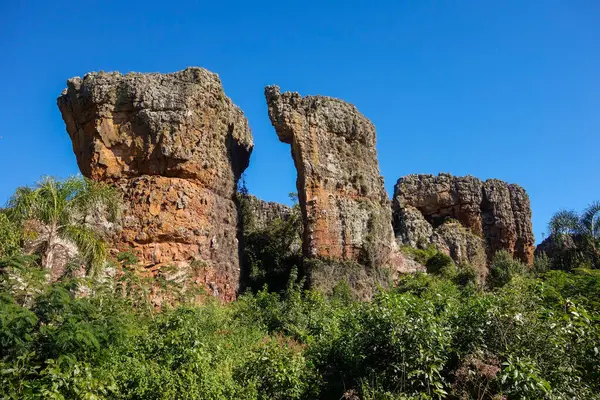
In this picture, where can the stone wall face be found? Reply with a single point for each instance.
(346, 211)
(176, 146)
(264, 212)
(494, 210)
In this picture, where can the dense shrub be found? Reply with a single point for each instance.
(430, 336)
(10, 237)
(427, 338)
(270, 251)
(503, 268)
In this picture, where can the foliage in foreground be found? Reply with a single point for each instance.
(532, 338)
(436, 336)
(54, 211)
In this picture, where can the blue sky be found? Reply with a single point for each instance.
(507, 90)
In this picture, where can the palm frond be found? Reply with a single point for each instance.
(590, 220)
(20, 206)
(92, 248)
(97, 196)
(564, 222)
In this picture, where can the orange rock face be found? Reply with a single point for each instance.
(175, 145)
(346, 211)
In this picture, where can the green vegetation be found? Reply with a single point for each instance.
(575, 239)
(427, 338)
(526, 335)
(55, 210)
(271, 251)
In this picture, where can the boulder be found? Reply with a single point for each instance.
(175, 145)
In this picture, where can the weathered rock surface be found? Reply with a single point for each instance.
(493, 210)
(462, 246)
(554, 245)
(176, 146)
(345, 209)
(264, 212)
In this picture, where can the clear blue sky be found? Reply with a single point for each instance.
(502, 89)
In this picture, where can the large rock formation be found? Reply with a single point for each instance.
(175, 145)
(345, 208)
(493, 210)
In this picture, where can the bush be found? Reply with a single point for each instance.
(277, 370)
(441, 264)
(10, 237)
(270, 252)
(503, 268)
(466, 274)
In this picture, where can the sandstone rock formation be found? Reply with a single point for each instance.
(493, 210)
(345, 208)
(175, 145)
(264, 212)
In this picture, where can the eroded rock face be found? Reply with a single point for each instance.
(264, 212)
(175, 145)
(494, 210)
(346, 211)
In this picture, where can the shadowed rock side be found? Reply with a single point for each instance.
(345, 208)
(493, 210)
(175, 145)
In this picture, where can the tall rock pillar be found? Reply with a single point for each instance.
(345, 209)
(175, 145)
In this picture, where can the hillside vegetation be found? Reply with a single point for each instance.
(523, 334)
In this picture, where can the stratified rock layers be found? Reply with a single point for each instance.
(346, 211)
(175, 145)
(494, 210)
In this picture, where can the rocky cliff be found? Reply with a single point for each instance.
(495, 211)
(176, 146)
(346, 211)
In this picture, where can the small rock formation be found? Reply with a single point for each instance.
(345, 209)
(176, 146)
(495, 211)
(554, 245)
(264, 212)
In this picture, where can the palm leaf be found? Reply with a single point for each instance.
(590, 220)
(97, 196)
(92, 248)
(564, 222)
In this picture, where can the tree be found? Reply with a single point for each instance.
(589, 227)
(60, 208)
(577, 237)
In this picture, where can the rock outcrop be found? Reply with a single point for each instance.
(554, 245)
(176, 146)
(262, 213)
(493, 210)
(345, 209)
